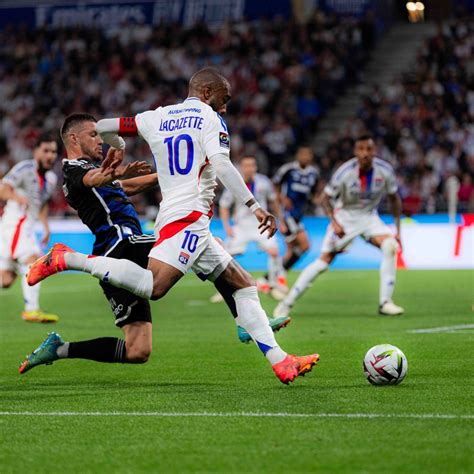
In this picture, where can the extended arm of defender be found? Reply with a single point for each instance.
(137, 185)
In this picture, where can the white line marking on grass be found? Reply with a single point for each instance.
(441, 329)
(422, 416)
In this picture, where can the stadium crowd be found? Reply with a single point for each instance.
(284, 77)
(424, 124)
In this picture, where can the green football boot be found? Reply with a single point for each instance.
(45, 354)
(276, 324)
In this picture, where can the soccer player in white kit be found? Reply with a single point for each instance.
(27, 188)
(357, 188)
(190, 143)
(244, 230)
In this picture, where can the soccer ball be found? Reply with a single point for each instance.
(385, 365)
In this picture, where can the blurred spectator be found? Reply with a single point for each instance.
(284, 75)
(423, 123)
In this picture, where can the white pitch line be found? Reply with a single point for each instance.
(422, 416)
(441, 329)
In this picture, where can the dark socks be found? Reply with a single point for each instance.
(292, 259)
(102, 349)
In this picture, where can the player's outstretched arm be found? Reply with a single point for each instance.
(140, 184)
(234, 182)
(111, 170)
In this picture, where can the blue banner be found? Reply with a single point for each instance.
(109, 14)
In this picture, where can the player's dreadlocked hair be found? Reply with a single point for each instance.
(74, 119)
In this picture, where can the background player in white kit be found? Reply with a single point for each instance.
(27, 188)
(244, 230)
(357, 188)
(190, 143)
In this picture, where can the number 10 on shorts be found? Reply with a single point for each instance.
(190, 241)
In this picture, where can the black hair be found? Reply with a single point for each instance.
(73, 120)
(44, 138)
(364, 137)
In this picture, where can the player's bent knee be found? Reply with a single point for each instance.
(138, 355)
(389, 246)
(158, 293)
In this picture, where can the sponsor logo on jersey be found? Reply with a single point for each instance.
(224, 141)
(183, 258)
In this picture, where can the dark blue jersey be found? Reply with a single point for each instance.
(107, 211)
(298, 184)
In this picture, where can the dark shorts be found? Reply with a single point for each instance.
(294, 228)
(127, 307)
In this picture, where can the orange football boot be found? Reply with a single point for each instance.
(292, 366)
(49, 264)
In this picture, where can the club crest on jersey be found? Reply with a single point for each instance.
(183, 258)
(224, 141)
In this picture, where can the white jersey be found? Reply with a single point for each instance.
(182, 137)
(262, 188)
(26, 180)
(361, 194)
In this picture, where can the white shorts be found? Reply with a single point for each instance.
(18, 245)
(365, 225)
(188, 244)
(243, 235)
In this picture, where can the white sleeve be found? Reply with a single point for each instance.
(14, 177)
(146, 123)
(333, 188)
(108, 130)
(230, 177)
(391, 183)
(215, 136)
(226, 200)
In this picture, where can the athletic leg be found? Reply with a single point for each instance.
(30, 293)
(304, 281)
(135, 349)
(250, 314)
(388, 245)
(151, 283)
(298, 247)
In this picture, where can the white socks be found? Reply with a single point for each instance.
(253, 319)
(388, 269)
(304, 280)
(120, 273)
(275, 269)
(30, 295)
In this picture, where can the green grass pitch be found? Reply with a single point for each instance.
(198, 366)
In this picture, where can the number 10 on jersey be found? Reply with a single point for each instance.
(174, 162)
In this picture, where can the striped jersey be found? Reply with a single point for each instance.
(26, 179)
(355, 191)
